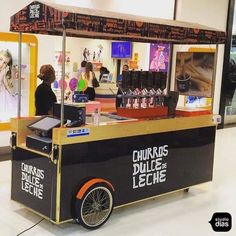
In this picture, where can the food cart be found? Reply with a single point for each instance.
(93, 168)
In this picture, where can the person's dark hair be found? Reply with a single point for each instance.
(88, 68)
(104, 70)
(47, 73)
(83, 63)
(125, 67)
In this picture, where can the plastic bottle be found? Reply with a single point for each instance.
(96, 117)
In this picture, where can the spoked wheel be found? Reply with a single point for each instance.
(94, 209)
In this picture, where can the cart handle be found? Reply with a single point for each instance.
(90, 183)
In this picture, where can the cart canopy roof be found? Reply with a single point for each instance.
(47, 18)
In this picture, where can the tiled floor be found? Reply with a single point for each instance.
(171, 215)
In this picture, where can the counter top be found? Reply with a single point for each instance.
(112, 128)
(88, 133)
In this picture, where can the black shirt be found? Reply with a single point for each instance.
(44, 99)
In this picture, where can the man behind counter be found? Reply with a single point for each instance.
(44, 96)
(119, 92)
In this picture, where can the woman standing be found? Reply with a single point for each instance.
(88, 75)
(44, 96)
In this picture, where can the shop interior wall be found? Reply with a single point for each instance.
(75, 47)
(213, 14)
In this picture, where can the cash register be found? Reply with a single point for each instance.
(41, 140)
(74, 114)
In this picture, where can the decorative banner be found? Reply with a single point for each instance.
(60, 84)
(159, 57)
(133, 65)
(136, 56)
(82, 85)
(58, 57)
(93, 55)
(41, 18)
(73, 84)
(194, 73)
(55, 84)
(97, 66)
(75, 67)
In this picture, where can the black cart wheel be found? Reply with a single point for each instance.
(96, 206)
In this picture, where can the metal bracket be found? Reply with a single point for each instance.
(54, 154)
(13, 140)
